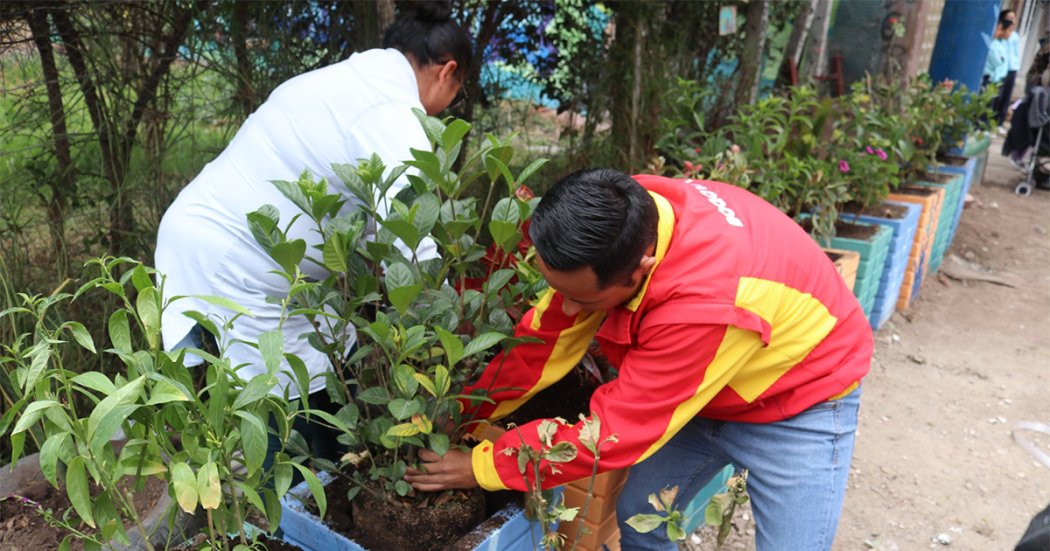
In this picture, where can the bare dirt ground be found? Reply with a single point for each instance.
(935, 453)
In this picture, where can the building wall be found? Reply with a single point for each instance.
(863, 35)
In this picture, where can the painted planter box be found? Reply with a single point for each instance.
(846, 263)
(967, 168)
(978, 148)
(930, 199)
(506, 530)
(896, 260)
(952, 197)
(873, 254)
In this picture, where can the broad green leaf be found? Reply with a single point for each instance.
(32, 414)
(644, 524)
(426, 383)
(148, 307)
(252, 495)
(402, 430)
(402, 297)
(208, 488)
(407, 232)
(78, 491)
(483, 342)
(289, 254)
(590, 432)
(497, 281)
(439, 443)
(185, 486)
(81, 335)
(282, 478)
(562, 452)
(452, 345)
(253, 440)
(108, 425)
(96, 381)
(40, 353)
(255, 390)
(713, 514)
(442, 381)
(375, 396)
(119, 331)
(140, 279)
(675, 532)
(273, 509)
(220, 301)
(403, 409)
(316, 490)
(399, 275)
(453, 133)
(402, 488)
(334, 254)
(49, 455)
(529, 170)
(271, 347)
(404, 377)
(163, 392)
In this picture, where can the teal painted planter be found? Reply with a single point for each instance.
(694, 511)
(873, 253)
(507, 530)
(896, 265)
(967, 170)
(952, 197)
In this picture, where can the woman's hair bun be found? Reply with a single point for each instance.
(433, 10)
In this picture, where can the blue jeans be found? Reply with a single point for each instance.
(798, 470)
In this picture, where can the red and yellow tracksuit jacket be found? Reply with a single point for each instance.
(743, 318)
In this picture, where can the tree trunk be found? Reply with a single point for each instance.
(63, 185)
(385, 15)
(814, 59)
(245, 86)
(799, 32)
(751, 56)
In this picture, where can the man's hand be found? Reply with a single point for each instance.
(454, 471)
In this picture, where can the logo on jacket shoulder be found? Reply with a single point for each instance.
(718, 202)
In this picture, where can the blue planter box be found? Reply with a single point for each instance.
(873, 253)
(694, 511)
(889, 289)
(507, 530)
(952, 199)
(967, 170)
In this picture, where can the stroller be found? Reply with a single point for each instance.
(1030, 131)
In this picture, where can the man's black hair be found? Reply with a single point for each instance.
(429, 36)
(595, 217)
(1002, 19)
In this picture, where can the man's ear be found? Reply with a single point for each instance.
(646, 264)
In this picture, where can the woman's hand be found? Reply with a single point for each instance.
(454, 471)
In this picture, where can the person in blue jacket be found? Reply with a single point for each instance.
(1012, 57)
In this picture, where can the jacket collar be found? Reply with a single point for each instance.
(664, 230)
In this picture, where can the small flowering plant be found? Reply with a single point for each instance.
(871, 175)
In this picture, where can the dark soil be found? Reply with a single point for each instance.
(880, 210)
(917, 191)
(952, 160)
(269, 544)
(937, 178)
(833, 256)
(23, 528)
(847, 230)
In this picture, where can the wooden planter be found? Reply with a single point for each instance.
(873, 252)
(967, 166)
(923, 243)
(846, 263)
(952, 199)
(896, 260)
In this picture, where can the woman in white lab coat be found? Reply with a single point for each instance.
(337, 114)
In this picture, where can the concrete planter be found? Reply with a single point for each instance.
(897, 257)
(846, 263)
(952, 198)
(922, 246)
(507, 530)
(27, 471)
(967, 169)
(873, 252)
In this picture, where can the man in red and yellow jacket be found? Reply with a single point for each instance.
(736, 340)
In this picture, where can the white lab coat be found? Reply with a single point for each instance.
(337, 114)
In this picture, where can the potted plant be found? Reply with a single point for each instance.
(421, 332)
(207, 445)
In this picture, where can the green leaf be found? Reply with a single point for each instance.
(529, 170)
(453, 133)
(403, 409)
(403, 430)
(483, 342)
(253, 440)
(282, 478)
(644, 524)
(49, 455)
(452, 345)
(208, 489)
(119, 331)
(223, 302)
(402, 488)
(713, 513)
(271, 347)
(316, 490)
(255, 390)
(675, 532)
(289, 254)
(562, 452)
(33, 413)
(404, 377)
(439, 443)
(95, 381)
(402, 297)
(399, 275)
(375, 396)
(334, 254)
(108, 425)
(64, 546)
(163, 392)
(407, 232)
(426, 383)
(148, 307)
(78, 491)
(497, 281)
(185, 486)
(252, 495)
(40, 353)
(81, 335)
(273, 509)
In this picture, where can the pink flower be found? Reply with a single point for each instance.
(869, 150)
(735, 148)
(843, 166)
(688, 165)
(882, 154)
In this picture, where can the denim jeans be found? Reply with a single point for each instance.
(797, 467)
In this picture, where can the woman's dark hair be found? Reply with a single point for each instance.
(1003, 22)
(595, 217)
(429, 36)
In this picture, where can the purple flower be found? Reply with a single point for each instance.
(843, 166)
(882, 154)
(869, 150)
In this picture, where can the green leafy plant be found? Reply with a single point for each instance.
(720, 509)
(673, 519)
(208, 444)
(421, 332)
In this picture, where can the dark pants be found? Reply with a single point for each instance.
(320, 438)
(1006, 92)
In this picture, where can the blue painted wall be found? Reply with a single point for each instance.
(963, 39)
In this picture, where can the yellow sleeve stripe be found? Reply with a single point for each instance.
(572, 343)
(738, 345)
(664, 231)
(846, 392)
(539, 309)
(483, 461)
